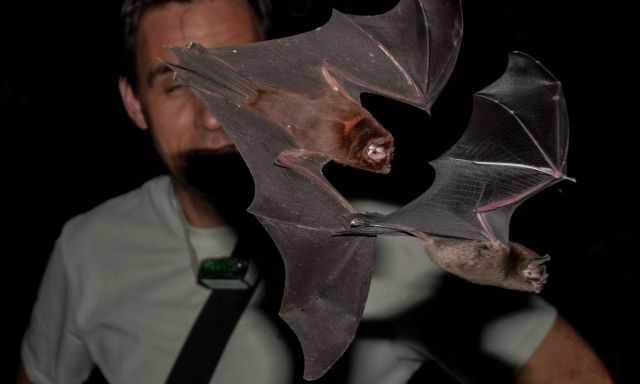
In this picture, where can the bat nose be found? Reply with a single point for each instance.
(376, 152)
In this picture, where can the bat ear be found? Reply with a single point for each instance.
(132, 103)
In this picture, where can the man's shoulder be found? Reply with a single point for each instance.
(137, 213)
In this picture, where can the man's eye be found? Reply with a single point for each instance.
(173, 88)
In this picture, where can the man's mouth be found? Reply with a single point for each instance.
(225, 149)
(218, 173)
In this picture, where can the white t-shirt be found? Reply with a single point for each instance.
(120, 292)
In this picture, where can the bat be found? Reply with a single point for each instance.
(294, 102)
(310, 84)
(515, 146)
(291, 105)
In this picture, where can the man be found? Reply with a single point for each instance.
(120, 291)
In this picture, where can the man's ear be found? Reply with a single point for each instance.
(132, 103)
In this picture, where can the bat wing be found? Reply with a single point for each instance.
(327, 276)
(515, 146)
(407, 54)
(431, 32)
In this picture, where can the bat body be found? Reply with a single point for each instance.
(332, 124)
(291, 105)
(323, 119)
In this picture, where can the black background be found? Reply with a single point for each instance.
(68, 145)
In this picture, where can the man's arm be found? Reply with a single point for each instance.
(563, 357)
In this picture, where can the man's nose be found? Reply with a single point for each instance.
(207, 119)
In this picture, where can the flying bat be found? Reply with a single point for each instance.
(294, 102)
(310, 84)
(291, 105)
(515, 146)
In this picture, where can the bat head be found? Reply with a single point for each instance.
(371, 146)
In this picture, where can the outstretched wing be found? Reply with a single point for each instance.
(407, 54)
(515, 146)
(424, 38)
(327, 277)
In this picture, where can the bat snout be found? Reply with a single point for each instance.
(371, 146)
(379, 154)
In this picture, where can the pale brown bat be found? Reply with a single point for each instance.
(512, 266)
(325, 119)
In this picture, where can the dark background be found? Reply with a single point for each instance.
(68, 145)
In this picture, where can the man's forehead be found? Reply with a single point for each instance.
(212, 23)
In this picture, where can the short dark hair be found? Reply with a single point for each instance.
(130, 15)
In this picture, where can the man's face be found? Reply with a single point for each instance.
(179, 122)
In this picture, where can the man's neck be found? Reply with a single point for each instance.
(197, 210)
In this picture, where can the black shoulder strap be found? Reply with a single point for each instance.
(209, 335)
